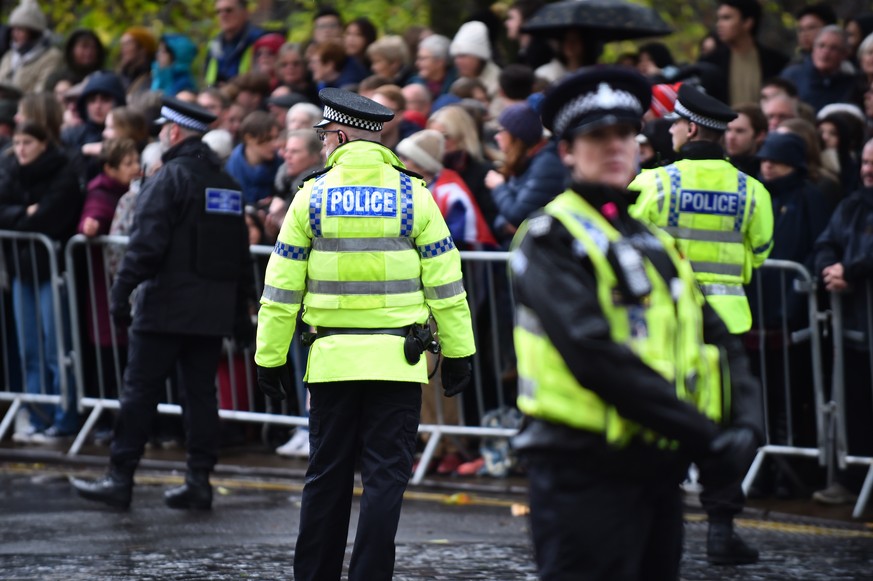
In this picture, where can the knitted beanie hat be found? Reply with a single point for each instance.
(472, 39)
(522, 122)
(144, 38)
(424, 148)
(28, 15)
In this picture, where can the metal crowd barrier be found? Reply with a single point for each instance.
(793, 278)
(13, 273)
(91, 264)
(97, 357)
(861, 337)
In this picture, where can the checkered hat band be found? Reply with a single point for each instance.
(699, 119)
(332, 114)
(592, 102)
(183, 120)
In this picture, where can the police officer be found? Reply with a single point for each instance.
(366, 252)
(188, 254)
(722, 220)
(721, 217)
(618, 356)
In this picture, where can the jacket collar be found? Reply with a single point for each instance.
(362, 152)
(701, 150)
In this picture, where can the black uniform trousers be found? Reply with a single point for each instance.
(379, 419)
(592, 518)
(152, 358)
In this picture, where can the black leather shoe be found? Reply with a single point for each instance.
(196, 493)
(725, 547)
(113, 489)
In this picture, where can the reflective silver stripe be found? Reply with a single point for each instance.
(717, 268)
(278, 295)
(444, 291)
(385, 287)
(362, 244)
(529, 321)
(526, 386)
(733, 290)
(703, 235)
(660, 185)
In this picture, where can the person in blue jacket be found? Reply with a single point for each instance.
(171, 69)
(532, 174)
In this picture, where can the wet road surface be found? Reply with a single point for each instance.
(48, 533)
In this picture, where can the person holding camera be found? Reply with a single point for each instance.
(366, 253)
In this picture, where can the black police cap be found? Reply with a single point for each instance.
(705, 110)
(188, 115)
(287, 100)
(347, 108)
(596, 97)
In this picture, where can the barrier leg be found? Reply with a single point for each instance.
(86, 429)
(426, 456)
(753, 470)
(866, 489)
(9, 418)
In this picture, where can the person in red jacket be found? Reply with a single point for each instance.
(422, 153)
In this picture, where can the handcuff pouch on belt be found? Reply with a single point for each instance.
(417, 338)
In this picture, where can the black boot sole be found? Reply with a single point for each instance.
(184, 504)
(93, 496)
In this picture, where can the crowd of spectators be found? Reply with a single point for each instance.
(466, 118)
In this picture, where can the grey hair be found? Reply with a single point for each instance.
(437, 45)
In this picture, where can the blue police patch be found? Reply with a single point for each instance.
(361, 201)
(219, 201)
(703, 202)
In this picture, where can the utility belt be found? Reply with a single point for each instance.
(417, 338)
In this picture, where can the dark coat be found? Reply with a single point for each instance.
(816, 89)
(771, 63)
(800, 213)
(542, 180)
(50, 181)
(194, 265)
(576, 325)
(848, 239)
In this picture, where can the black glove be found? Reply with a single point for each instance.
(731, 454)
(119, 310)
(243, 330)
(275, 382)
(456, 374)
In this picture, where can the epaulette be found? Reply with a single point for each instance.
(409, 172)
(315, 174)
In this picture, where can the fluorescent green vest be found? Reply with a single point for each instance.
(722, 220)
(363, 246)
(245, 64)
(665, 331)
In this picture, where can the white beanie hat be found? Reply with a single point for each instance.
(28, 15)
(472, 39)
(424, 148)
(220, 141)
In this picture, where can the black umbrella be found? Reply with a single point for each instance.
(607, 19)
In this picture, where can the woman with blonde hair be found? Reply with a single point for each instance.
(464, 154)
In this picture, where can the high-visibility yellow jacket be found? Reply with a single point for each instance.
(665, 330)
(363, 246)
(722, 220)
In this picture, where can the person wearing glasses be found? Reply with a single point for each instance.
(230, 53)
(365, 252)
